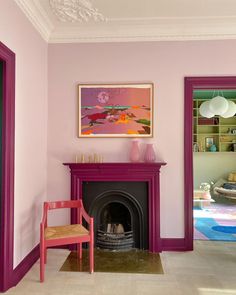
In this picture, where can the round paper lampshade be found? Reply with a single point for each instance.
(218, 105)
(204, 110)
(230, 111)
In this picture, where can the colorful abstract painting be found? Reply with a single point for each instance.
(123, 110)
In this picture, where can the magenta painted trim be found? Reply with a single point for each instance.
(194, 83)
(173, 244)
(7, 199)
(148, 172)
(25, 265)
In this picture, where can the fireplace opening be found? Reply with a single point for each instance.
(115, 232)
(120, 211)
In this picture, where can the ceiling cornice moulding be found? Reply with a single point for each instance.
(129, 29)
(155, 29)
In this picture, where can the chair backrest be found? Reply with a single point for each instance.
(63, 204)
(76, 204)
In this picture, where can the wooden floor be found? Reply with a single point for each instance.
(209, 270)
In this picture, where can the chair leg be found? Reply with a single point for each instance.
(42, 257)
(79, 250)
(91, 256)
(45, 255)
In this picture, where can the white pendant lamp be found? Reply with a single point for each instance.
(230, 111)
(204, 110)
(218, 105)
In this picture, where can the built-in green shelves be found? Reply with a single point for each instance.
(221, 131)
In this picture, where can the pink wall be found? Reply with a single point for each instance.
(30, 125)
(164, 63)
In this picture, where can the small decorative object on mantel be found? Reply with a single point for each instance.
(134, 152)
(91, 158)
(150, 155)
(82, 158)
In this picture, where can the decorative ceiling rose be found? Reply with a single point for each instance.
(75, 10)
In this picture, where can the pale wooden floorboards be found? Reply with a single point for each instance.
(209, 270)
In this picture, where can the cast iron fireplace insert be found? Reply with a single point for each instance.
(120, 213)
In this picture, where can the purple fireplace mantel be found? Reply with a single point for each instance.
(146, 172)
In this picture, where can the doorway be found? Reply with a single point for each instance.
(7, 110)
(214, 163)
(196, 84)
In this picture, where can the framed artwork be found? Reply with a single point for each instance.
(115, 110)
(209, 142)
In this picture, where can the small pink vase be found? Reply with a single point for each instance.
(149, 156)
(134, 152)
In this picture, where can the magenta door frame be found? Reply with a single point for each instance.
(7, 192)
(190, 84)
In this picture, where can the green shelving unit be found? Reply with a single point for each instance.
(221, 131)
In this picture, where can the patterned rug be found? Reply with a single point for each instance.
(216, 222)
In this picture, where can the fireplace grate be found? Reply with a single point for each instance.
(114, 238)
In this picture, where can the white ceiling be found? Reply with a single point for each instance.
(136, 20)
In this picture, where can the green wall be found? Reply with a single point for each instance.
(208, 94)
(209, 167)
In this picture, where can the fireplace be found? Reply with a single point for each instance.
(124, 199)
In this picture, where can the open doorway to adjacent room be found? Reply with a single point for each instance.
(210, 158)
(214, 164)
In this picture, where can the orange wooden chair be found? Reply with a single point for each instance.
(67, 234)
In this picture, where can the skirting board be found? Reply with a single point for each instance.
(175, 244)
(25, 265)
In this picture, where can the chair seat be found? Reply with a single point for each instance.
(65, 231)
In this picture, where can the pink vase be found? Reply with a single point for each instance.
(149, 156)
(134, 152)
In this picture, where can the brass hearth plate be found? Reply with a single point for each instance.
(133, 261)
